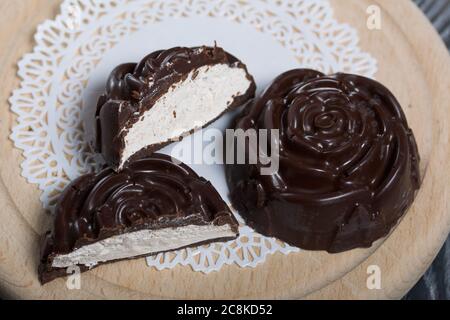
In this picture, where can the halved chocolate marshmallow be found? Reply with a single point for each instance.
(153, 205)
(167, 95)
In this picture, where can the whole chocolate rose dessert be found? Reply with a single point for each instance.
(348, 162)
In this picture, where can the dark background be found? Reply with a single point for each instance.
(435, 283)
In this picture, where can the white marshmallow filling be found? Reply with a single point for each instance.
(143, 242)
(189, 104)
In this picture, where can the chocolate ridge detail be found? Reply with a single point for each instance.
(348, 165)
(151, 193)
(133, 88)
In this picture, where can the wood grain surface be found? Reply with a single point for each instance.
(413, 63)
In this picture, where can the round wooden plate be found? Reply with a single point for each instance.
(413, 63)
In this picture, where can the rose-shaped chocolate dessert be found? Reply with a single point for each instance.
(348, 163)
(153, 205)
(165, 96)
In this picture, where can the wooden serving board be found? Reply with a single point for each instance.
(413, 63)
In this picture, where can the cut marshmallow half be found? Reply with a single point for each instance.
(167, 95)
(153, 205)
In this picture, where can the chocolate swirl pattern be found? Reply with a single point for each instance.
(152, 193)
(348, 165)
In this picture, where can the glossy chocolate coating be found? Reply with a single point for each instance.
(133, 88)
(349, 164)
(150, 193)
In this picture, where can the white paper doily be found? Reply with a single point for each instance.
(74, 53)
